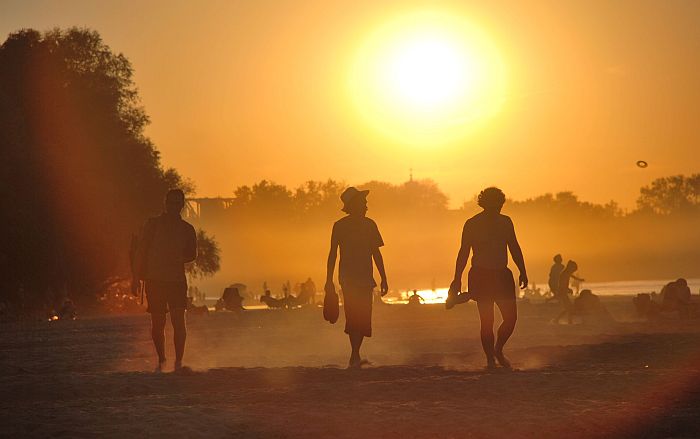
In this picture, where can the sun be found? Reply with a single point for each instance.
(427, 72)
(427, 77)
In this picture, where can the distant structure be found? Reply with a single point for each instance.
(198, 209)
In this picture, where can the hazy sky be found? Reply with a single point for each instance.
(242, 91)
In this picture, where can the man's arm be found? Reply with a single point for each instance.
(330, 265)
(379, 261)
(462, 258)
(578, 278)
(190, 246)
(517, 254)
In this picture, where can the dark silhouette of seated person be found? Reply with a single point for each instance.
(491, 235)
(196, 309)
(563, 292)
(272, 302)
(232, 299)
(676, 297)
(67, 311)
(415, 299)
(646, 307)
(589, 307)
(306, 295)
(358, 239)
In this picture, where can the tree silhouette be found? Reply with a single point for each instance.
(208, 259)
(77, 173)
(676, 194)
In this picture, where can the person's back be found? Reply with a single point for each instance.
(489, 234)
(170, 241)
(357, 237)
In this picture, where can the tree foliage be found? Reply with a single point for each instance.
(77, 173)
(677, 194)
(208, 259)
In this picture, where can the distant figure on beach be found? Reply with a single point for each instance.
(232, 299)
(308, 290)
(196, 309)
(272, 302)
(675, 296)
(359, 240)
(168, 244)
(563, 291)
(491, 234)
(554, 273)
(588, 307)
(646, 307)
(415, 298)
(67, 311)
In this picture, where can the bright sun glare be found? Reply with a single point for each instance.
(427, 77)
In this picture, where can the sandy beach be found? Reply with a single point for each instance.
(280, 374)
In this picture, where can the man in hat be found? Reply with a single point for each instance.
(490, 234)
(359, 240)
(169, 242)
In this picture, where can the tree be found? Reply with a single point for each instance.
(208, 259)
(77, 173)
(676, 194)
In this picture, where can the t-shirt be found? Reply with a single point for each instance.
(171, 242)
(488, 235)
(357, 237)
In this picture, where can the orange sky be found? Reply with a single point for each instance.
(242, 91)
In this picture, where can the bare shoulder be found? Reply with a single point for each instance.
(506, 219)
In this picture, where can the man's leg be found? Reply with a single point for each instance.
(158, 335)
(486, 317)
(509, 312)
(177, 318)
(355, 343)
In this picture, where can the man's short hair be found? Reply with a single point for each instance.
(491, 197)
(175, 195)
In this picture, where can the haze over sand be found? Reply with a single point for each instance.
(279, 374)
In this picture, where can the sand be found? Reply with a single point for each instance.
(279, 374)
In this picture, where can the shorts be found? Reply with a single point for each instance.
(357, 304)
(165, 295)
(487, 284)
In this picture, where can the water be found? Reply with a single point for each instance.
(624, 288)
(439, 295)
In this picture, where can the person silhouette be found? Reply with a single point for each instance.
(169, 242)
(563, 291)
(554, 273)
(358, 239)
(491, 234)
(415, 298)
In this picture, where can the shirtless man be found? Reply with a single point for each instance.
(490, 234)
(169, 242)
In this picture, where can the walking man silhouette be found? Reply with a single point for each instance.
(359, 240)
(169, 242)
(490, 234)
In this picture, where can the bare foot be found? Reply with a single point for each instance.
(178, 365)
(490, 364)
(502, 360)
(354, 363)
(160, 365)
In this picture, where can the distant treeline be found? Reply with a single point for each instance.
(274, 233)
(78, 177)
